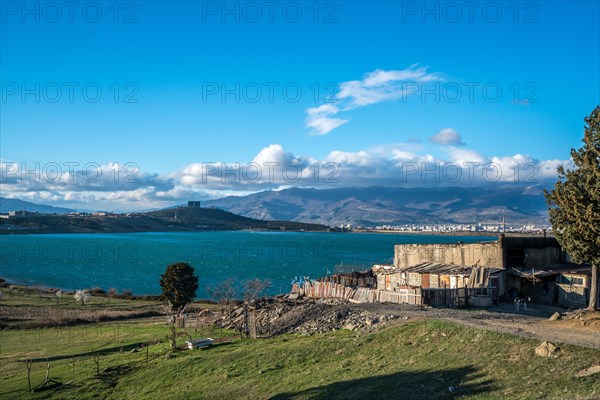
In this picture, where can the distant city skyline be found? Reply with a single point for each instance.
(198, 100)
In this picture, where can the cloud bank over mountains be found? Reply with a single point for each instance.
(123, 187)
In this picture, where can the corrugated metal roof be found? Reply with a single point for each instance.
(566, 268)
(436, 268)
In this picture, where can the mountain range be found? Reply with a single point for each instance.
(393, 206)
(7, 205)
(373, 206)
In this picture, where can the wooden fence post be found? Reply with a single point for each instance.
(28, 363)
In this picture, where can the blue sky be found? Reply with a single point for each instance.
(174, 59)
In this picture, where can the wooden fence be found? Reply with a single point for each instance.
(362, 295)
(459, 297)
(444, 297)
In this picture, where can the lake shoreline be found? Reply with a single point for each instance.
(360, 231)
(457, 233)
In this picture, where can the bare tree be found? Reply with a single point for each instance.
(254, 288)
(112, 292)
(173, 315)
(224, 293)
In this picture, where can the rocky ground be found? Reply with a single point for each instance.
(307, 316)
(280, 315)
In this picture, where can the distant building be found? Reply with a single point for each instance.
(22, 213)
(194, 204)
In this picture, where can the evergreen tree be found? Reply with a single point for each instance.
(179, 284)
(575, 203)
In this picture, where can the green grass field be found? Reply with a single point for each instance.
(417, 360)
(420, 359)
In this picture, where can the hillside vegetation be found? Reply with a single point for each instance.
(417, 359)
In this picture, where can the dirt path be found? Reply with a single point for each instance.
(532, 325)
(535, 328)
(313, 316)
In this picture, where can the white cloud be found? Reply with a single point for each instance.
(398, 154)
(447, 137)
(463, 156)
(274, 153)
(396, 164)
(320, 121)
(380, 85)
(374, 87)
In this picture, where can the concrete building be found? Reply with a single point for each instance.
(454, 275)
(194, 204)
(533, 268)
(488, 254)
(503, 253)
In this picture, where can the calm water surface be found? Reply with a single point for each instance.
(135, 261)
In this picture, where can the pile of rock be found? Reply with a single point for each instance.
(587, 318)
(576, 314)
(306, 316)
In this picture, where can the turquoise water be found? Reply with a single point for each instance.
(135, 261)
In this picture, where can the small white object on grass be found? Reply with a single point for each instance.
(82, 295)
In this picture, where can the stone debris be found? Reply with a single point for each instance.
(588, 371)
(577, 314)
(546, 349)
(555, 316)
(284, 314)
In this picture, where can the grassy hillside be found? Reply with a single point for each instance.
(417, 360)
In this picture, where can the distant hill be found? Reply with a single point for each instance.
(394, 206)
(7, 205)
(173, 219)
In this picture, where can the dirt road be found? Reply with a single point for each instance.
(532, 324)
(275, 316)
